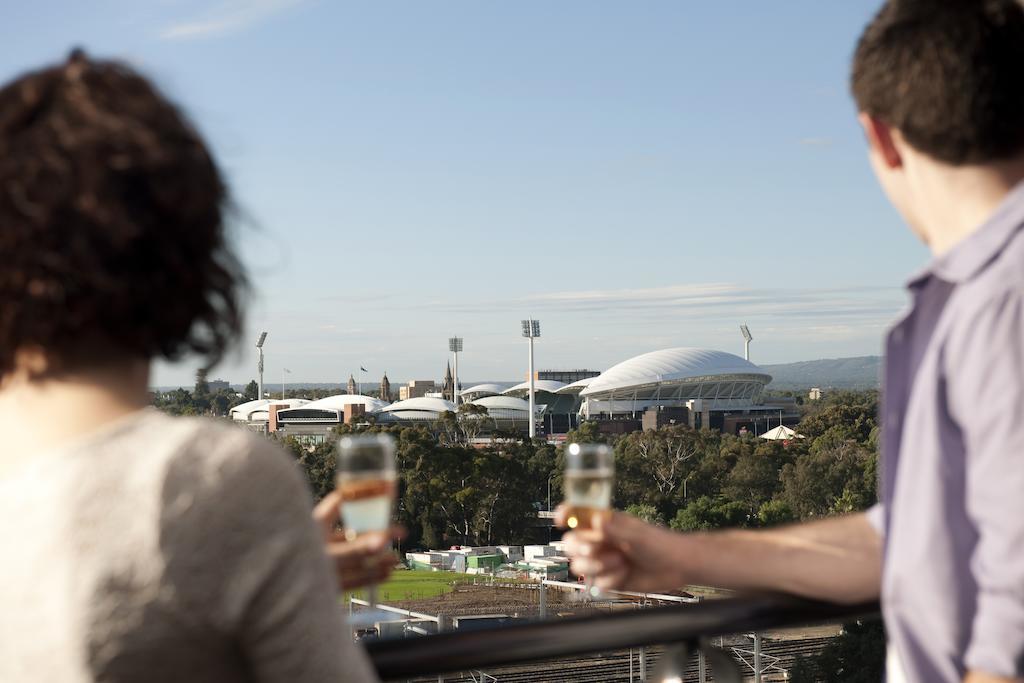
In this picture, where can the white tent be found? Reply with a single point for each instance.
(781, 433)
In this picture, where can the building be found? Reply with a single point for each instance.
(416, 388)
(567, 376)
(482, 390)
(256, 414)
(218, 385)
(717, 390)
(558, 412)
(385, 389)
(414, 410)
(353, 388)
(815, 394)
(312, 422)
(448, 388)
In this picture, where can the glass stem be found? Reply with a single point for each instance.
(372, 597)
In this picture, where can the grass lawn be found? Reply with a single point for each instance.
(413, 584)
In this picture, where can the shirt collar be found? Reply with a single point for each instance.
(970, 256)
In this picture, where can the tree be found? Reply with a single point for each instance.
(653, 466)
(252, 391)
(202, 386)
(706, 513)
(647, 513)
(857, 655)
(753, 481)
(586, 432)
(849, 415)
(775, 512)
(829, 481)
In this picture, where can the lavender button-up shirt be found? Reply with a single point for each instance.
(952, 483)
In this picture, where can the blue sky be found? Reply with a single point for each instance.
(635, 175)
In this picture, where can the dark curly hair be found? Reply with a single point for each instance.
(112, 223)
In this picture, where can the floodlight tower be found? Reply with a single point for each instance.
(259, 366)
(455, 346)
(747, 338)
(531, 330)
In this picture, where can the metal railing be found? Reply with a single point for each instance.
(574, 636)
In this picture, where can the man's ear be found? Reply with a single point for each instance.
(880, 140)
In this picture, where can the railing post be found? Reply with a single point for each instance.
(630, 665)
(543, 601)
(643, 664)
(757, 658)
(702, 667)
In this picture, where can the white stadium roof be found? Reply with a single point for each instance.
(549, 385)
(577, 386)
(483, 390)
(422, 404)
(260, 408)
(503, 403)
(672, 366)
(339, 402)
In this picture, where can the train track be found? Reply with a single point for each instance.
(615, 667)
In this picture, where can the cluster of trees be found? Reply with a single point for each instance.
(454, 492)
(451, 492)
(202, 401)
(699, 480)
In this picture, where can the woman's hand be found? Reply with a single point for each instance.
(366, 560)
(622, 552)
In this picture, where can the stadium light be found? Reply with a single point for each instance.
(259, 365)
(747, 338)
(455, 346)
(531, 330)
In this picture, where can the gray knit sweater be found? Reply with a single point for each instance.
(162, 549)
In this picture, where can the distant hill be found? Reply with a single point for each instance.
(837, 373)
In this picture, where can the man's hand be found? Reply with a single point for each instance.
(366, 560)
(623, 552)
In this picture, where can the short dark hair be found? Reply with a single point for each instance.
(112, 223)
(948, 74)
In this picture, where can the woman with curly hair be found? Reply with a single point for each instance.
(137, 546)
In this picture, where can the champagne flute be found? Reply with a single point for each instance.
(589, 478)
(366, 481)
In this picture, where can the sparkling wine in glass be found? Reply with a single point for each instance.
(366, 481)
(589, 479)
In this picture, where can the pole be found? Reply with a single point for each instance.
(702, 667)
(757, 658)
(533, 421)
(543, 600)
(282, 383)
(261, 374)
(549, 491)
(643, 664)
(455, 388)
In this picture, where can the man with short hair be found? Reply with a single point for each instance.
(940, 91)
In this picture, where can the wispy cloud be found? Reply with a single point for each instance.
(816, 142)
(704, 302)
(226, 17)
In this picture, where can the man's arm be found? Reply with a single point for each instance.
(837, 559)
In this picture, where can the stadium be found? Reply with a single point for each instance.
(692, 386)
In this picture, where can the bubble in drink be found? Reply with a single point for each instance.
(584, 518)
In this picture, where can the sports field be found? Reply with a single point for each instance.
(419, 584)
